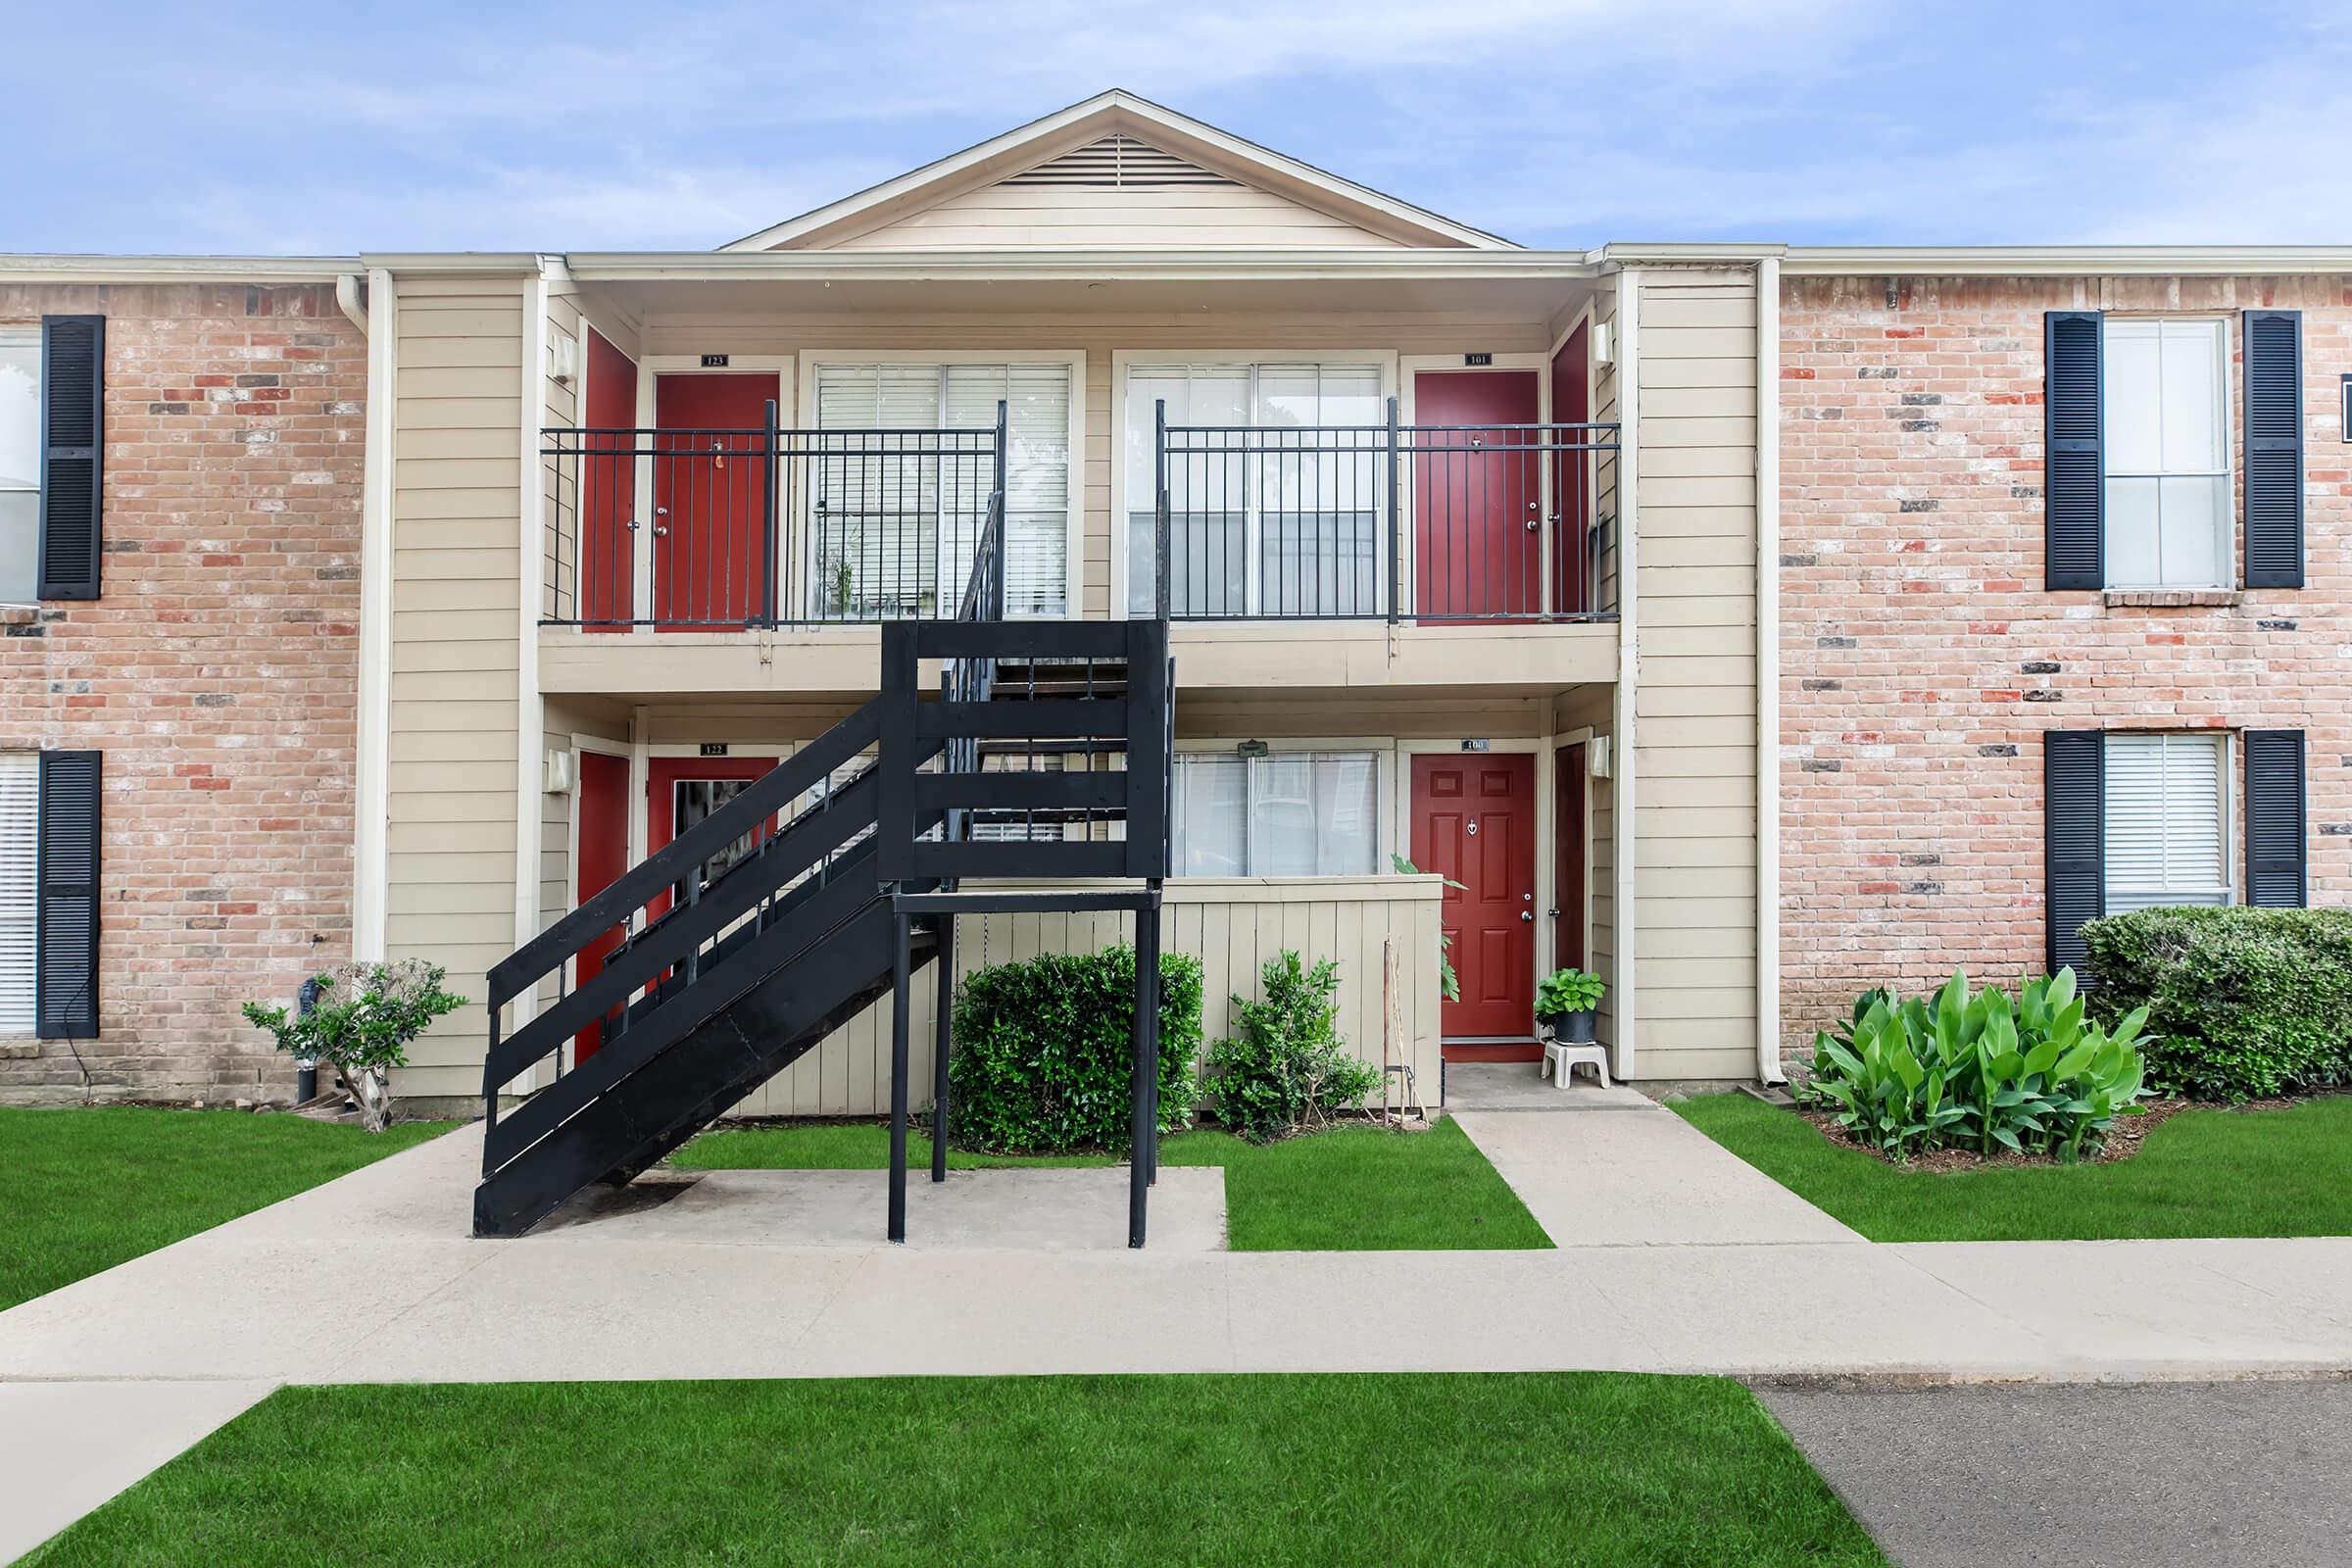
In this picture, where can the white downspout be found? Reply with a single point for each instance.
(372, 796)
(1768, 672)
(1624, 809)
(348, 296)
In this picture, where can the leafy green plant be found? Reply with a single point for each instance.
(1043, 1060)
(360, 1024)
(1956, 1069)
(2242, 1004)
(1449, 984)
(1568, 990)
(1286, 1068)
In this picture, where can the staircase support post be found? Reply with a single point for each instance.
(944, 959)
(902, 963)
(1142, 1152)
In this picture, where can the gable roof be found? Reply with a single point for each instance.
(1131, 140)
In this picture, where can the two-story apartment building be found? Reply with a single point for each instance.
(1686, 605)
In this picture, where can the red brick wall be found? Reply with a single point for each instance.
(219, 674)
(1922, 662)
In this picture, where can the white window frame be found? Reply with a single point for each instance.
(2226, 761)
(1122, 364)
(33, 575)
(1074, 359)
(2224, 575)
(1386, 796)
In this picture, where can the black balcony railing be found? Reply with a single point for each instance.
(709, 529)
(1376, 522)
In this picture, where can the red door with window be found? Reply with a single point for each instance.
(1572, 567)
(604, 804)
(1477, 490)
(680, 791)
(1474, 823)
(712, 533)
(606, 585)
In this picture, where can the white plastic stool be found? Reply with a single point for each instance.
(1560, 1060)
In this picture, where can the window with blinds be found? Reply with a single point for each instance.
(2167, 829)
(1281, 526)
(895, 535)
(20, 462)
(1292, 814)
(20, 817)
(2167, 446)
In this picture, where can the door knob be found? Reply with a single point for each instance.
(1527, 915)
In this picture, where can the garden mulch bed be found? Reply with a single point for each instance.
(2123, 1138)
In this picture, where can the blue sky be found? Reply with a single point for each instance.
(485, 125)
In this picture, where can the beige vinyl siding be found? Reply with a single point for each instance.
(454, 687)
(1694, 786)
(1101, 337)
(1604, 468)
(1595, 708)
(1234, 924)
(1101, 217)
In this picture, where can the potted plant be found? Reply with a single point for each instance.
(1564, 1003)
(362, 1019)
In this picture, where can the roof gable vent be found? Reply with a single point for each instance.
(1118, 162)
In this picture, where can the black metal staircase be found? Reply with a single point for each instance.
(915, 808)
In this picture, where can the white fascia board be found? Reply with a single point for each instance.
(1293, 261)
(176, 269)
(2063, 261)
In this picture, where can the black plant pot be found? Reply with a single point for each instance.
(1573, 1028)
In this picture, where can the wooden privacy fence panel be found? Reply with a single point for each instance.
(1233, 924)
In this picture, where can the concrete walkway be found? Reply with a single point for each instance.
(1675, 1257)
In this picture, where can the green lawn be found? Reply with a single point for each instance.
(1349, 1190)
(84, 1189)
(1554, 1468)
(2201, 1173)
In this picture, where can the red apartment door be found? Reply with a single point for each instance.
(606, 585)
(1572, 476)
(1474, 823)
(680, 791)
(711, 525)
(1477, 489)
(603, 804)
(1568, 860)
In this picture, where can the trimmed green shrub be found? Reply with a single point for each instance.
(2242, 1004)
(1953, 1070)
(1286, 1068)
(1043, 1063)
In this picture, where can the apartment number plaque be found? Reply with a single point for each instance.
(714, 362)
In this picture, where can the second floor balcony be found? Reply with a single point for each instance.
(749, 558)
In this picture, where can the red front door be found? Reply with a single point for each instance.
(1568, 860)
(1572, 567)
(680, 791)
(1477, 490)
(711, 540)
(603, 803)
(1474, 823)
(608, 545)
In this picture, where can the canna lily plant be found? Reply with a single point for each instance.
(1962, 1071)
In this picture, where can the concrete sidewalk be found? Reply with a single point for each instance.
(1673, 1262)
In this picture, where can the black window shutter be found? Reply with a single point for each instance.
(2074, 826)
(2074, 451)
(2274, 448)
(65, 924)
(2277, 855)
(73, 453)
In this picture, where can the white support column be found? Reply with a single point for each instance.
(1624, 809)
(1768, 671)
(371, 764)
(530, 707)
